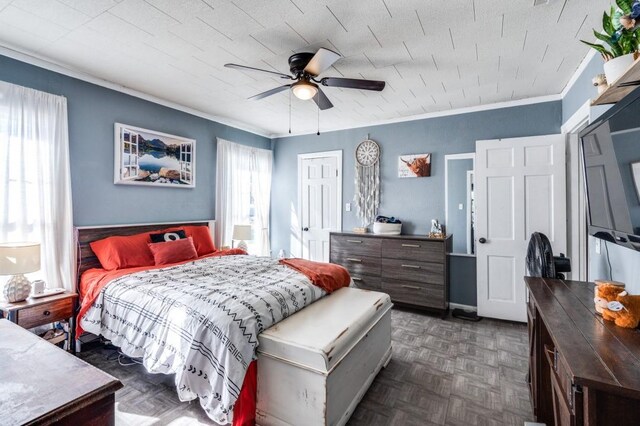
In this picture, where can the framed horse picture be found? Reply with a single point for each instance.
(414, 165)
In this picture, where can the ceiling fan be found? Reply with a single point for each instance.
(305, 68)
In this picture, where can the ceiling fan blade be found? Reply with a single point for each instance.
(245, 68)
(270, 92)
(353, 83)
(322, 101)
(322, 60)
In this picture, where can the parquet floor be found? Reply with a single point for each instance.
(442, 372)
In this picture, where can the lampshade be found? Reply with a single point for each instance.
(304, 90)
(19, 258)
(242, 232)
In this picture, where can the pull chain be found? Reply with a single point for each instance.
(318, 117)
(289, 110)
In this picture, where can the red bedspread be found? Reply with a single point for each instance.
(327, 276)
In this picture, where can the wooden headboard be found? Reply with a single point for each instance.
(84, 235)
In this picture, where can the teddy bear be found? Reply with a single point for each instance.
(605, 292)
(618, 306)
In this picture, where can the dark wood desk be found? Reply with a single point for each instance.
(583, 370)
(42, 384)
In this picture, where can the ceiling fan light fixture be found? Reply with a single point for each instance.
(304, 90)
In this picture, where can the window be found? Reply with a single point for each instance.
(243, 192)
(36, 182)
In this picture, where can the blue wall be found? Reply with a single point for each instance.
(93, 110)
(414, 200)
(583, 89)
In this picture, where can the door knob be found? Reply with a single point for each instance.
(305, 229)
(482, 240)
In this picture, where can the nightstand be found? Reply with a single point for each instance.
(44, 310)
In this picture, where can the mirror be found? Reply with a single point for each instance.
(459, 201)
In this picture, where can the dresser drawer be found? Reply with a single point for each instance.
(567, 403)
(367, 282)
(424, 251)
(355, 245)
(418, 294)
(45, 313)
(411, 270)
(357, 264)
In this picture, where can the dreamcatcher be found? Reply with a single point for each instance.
(367, 196)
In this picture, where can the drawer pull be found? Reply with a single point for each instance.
(411, 245)
(414, 287)
(356, 279)
(351, 259)
(46, 313)
(411, 266)
(355, 241)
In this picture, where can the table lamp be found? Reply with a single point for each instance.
(17, 259)
(242, 233)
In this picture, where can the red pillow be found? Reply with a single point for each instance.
(121, 252)
(173, 251)
(201, 237)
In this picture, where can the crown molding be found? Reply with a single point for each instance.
(458, 111)
(48, 64)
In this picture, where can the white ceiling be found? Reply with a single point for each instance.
(434, 55)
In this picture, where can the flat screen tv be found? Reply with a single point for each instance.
(611, 156)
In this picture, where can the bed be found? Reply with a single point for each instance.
(198, 319)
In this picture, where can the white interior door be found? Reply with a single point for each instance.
(320, 198)
(520, 189)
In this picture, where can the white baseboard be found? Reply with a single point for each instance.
(464, 307)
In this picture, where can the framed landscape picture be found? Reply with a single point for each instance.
(147, 157)
(414, 165)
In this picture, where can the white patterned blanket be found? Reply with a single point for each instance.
(200, 320)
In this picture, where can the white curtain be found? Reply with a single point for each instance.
(35, 193)
(243, 194)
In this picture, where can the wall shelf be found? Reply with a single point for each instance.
(621, 87)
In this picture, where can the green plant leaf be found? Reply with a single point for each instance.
(629, 41)
(624, 46)
(616, 48)
(625, 6)
(600, 48)
(630, 4)
(615, 19)
(607, 24)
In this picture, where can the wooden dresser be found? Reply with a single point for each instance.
(412, 269)
(583, 370)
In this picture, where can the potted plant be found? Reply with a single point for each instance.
(621, 37)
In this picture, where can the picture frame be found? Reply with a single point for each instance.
(635, 173)
(414, 165)
(149, 158)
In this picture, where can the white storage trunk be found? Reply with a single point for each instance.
(315, 366)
